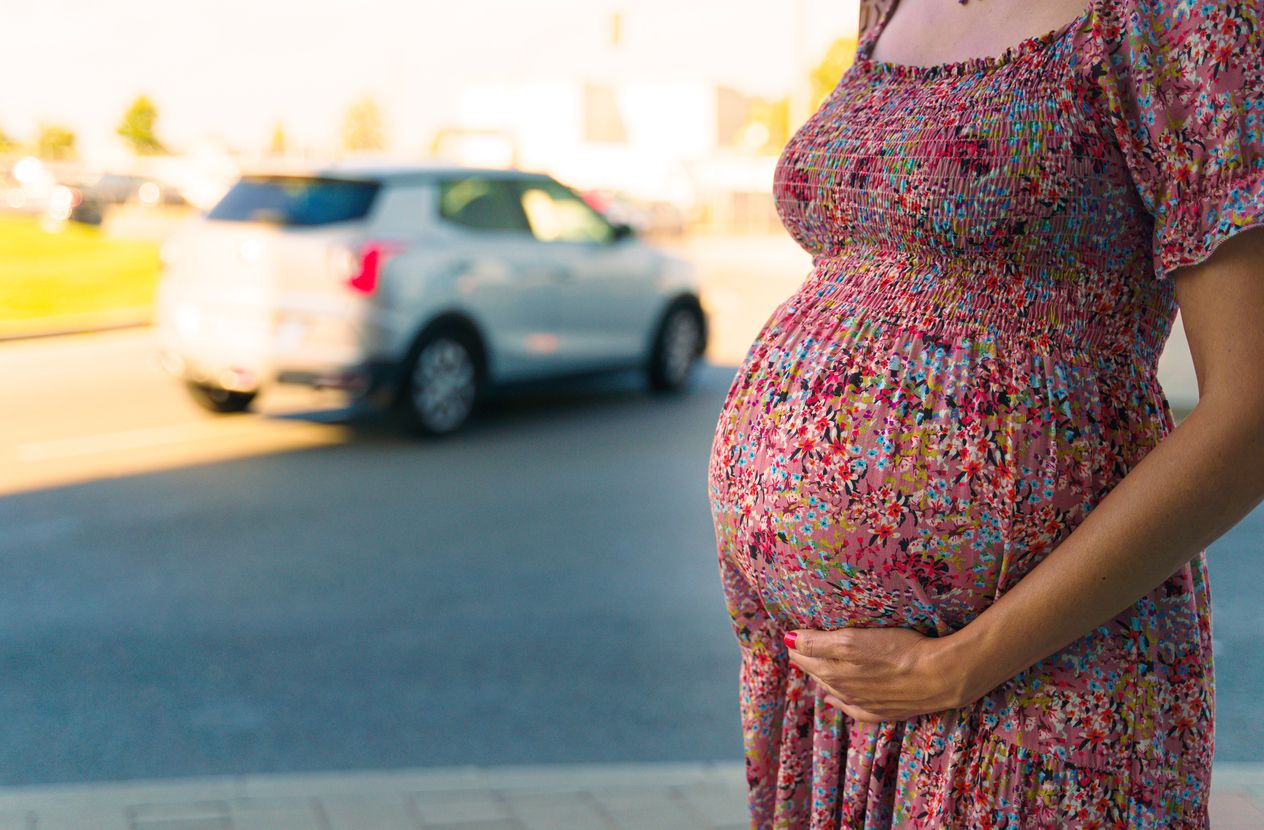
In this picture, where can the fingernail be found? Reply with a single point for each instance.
(789, 637)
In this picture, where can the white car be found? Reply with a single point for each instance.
(420, 287)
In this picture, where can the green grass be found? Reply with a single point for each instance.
(70, 273)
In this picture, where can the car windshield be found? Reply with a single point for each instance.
(295, 200)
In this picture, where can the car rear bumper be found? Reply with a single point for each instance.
(244, 348)
(370, 378)
(237, 376)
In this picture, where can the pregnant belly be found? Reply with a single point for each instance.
(864, 476)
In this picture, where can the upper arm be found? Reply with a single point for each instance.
(1222, 310)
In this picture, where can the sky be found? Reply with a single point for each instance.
(233, 68)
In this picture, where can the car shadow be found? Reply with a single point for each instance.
(528, 403)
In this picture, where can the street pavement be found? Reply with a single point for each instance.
(539, 589)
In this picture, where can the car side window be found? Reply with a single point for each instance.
(557, 214)
(482, 204)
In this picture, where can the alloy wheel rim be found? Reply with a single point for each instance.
(443, 384)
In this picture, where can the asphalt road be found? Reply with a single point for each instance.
(303, 589)
(541, 588)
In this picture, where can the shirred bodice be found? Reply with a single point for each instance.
(986, 195)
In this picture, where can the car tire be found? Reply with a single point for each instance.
(678, 344)
(218, 399)
(442, 382)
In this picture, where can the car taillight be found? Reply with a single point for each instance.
(373, 256)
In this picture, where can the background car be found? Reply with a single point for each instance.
(418, 287)
(121, 188)
(653, 218)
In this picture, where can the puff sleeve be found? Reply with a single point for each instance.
(1182, 85)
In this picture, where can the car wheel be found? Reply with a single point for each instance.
(677, 346)
(219, 399)
(441, 383)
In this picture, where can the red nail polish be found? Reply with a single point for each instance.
(789, 637)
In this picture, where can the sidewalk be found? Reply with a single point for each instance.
(687, 796)
(68, 324)
(690, 796)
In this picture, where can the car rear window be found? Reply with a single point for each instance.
(295, 200)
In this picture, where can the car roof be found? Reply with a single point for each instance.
(395, 172)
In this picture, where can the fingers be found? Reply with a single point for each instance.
(854, 712)
(825, 657)
(857, 713)
(822, 672)
(815, 643)
(828, 674)
(815, 666)
(827, 670)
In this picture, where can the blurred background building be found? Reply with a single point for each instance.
(672, 115)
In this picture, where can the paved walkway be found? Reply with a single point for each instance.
(562, 797)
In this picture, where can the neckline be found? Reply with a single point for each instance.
(965, 66)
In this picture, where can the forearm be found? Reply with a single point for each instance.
(1201, 480)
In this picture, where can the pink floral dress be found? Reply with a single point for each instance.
(967, 370)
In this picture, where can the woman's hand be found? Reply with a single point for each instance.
(883, 674)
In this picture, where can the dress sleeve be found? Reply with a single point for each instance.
(1183, 86)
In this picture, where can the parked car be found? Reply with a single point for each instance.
(121, 188)
(85, 199)
(649, 218)
(421, 288)
(115, 188)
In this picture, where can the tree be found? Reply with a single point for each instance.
(55, 142)
(751, 123)
(770, 123)
(362, 126)
(827, 73)
(8, 143)
(137, 127)
(278, 140)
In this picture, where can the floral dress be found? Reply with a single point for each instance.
(966, 371)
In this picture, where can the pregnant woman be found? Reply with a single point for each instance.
(961, 540)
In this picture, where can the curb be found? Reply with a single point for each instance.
(604, 796)
(60, 327)
(666, 796)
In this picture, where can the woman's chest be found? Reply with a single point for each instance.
(1007, 160)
